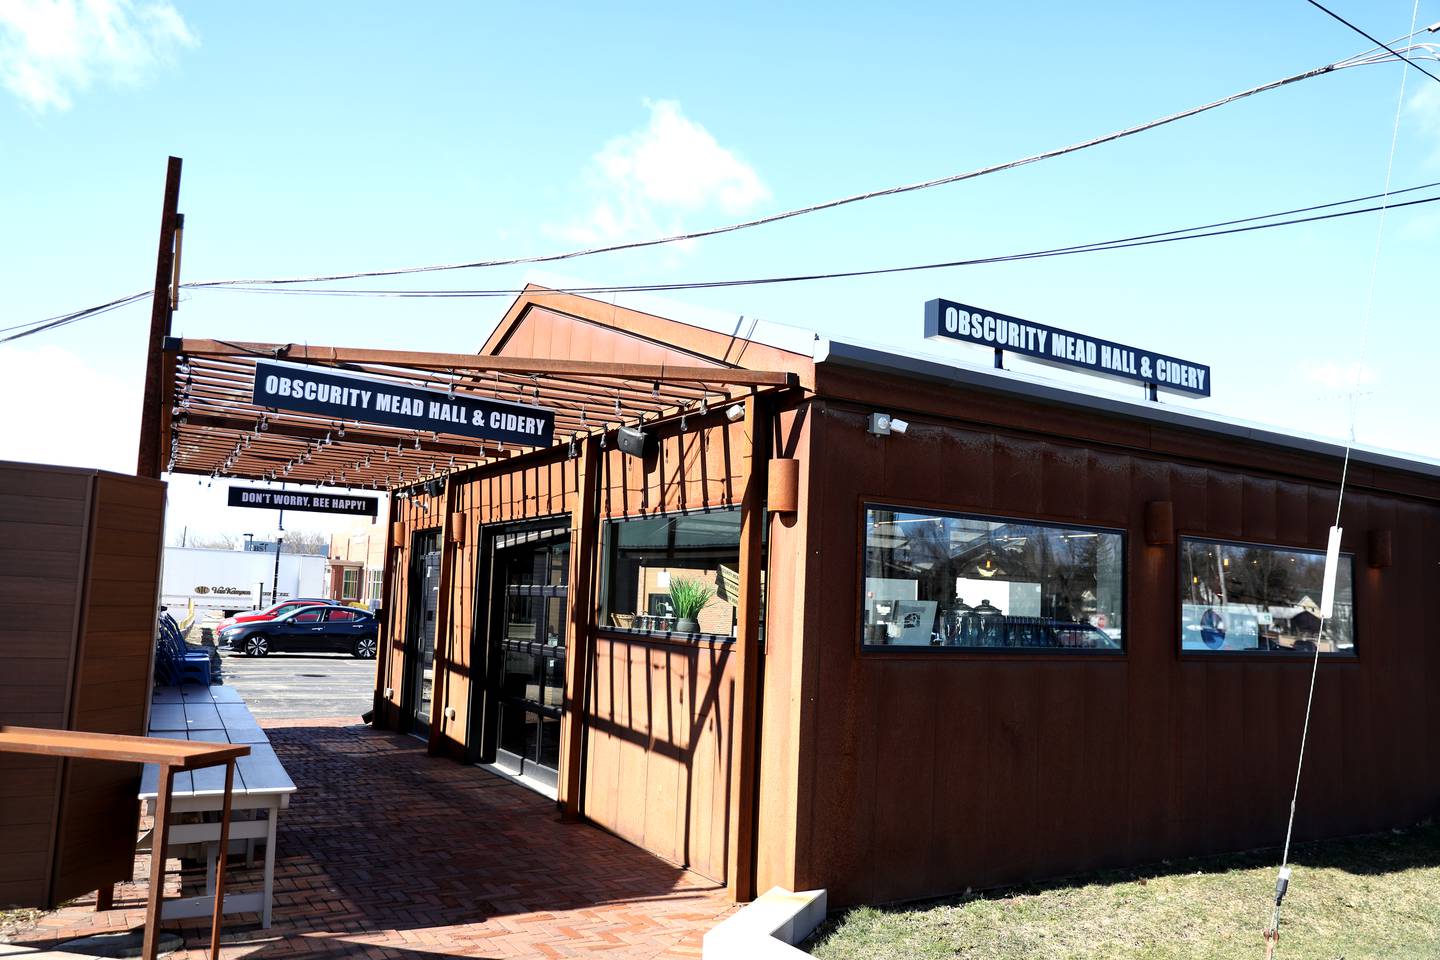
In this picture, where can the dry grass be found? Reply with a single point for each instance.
(1375, 896)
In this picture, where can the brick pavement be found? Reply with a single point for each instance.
(388, 853)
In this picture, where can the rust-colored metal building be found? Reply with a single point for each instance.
(1023, 632)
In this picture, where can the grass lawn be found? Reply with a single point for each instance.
(1376, 896)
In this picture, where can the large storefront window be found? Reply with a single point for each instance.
(674, 575)
(1244, 597)
(941, 580)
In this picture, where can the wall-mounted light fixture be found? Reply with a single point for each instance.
(1382, 549)
(1159, 523)
(883, 424)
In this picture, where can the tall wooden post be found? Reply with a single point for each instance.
(745, 736)
(584, 540)
(149, 457)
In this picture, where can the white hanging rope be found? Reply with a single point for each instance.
(1282, 882)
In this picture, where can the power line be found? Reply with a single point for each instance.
(1360, 59)
(1219, 228)
(1142, 240)
(52, 323)
(1326, 10)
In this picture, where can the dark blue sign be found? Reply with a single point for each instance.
(338, 395)
(296, 500)
(945, 319)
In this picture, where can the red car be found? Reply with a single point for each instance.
(272, 611)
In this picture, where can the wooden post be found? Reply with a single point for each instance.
(149, 455)
(745, 733)
(159, 840)
(215, 918)
(440, 686)
(584, 541)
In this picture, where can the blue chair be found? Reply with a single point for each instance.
(174, 662)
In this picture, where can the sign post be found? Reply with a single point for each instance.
(947, 320)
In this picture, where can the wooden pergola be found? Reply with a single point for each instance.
(210, 424)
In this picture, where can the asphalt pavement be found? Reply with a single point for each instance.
(298, 685)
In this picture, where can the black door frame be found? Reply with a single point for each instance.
(482, 737)
(410, 721)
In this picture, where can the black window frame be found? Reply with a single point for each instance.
(962, 652)
(1260, 656)
(609, 524)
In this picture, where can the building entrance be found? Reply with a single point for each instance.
(528, 643)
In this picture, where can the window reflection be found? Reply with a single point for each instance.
(941, 580)
(654, 562)
(1249, 597)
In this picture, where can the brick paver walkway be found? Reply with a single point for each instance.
(388, 853)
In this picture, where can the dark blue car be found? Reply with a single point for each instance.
(309, 628)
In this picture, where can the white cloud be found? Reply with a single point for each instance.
(648, 180)
(51, 50)
(1424, 109)
(1340, 376)
(60, 409)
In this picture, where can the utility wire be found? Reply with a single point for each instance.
(1272, 935)
(1143, 240)
(1359, 59)
(1326, 10)
(51, 323)
(1219, 228)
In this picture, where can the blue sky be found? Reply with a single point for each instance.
(322, 138)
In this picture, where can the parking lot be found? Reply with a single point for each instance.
(298, 685)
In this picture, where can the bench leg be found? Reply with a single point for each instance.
(220, 866)
(269, 896)
(160, 838)
(105, 898)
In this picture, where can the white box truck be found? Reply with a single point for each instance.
(229, 581)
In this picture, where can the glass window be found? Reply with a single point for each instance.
(307, 616)
(1249, 597)
(339, 615)
(941, 580)
(674, 574)
(376, 585)
(350, 583)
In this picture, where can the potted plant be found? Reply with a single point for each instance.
(689, 598)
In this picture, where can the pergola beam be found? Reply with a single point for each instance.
(353, 436)
(424, 360)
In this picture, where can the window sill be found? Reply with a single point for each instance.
(900, 652)
(666, 636)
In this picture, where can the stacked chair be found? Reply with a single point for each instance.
(174, 662)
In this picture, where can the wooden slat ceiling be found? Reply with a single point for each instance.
(215, 429)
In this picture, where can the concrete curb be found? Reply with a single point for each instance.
(768, 927)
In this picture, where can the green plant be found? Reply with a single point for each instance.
(689, 597)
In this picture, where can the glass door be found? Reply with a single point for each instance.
(528, 648)
(420, 645)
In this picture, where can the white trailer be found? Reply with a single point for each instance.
(229, 581)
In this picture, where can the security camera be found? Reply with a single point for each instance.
(734, 412)
(899, 426)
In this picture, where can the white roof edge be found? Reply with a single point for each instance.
(954, 373)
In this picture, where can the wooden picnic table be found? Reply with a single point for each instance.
(167, 757)
(216, 715)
